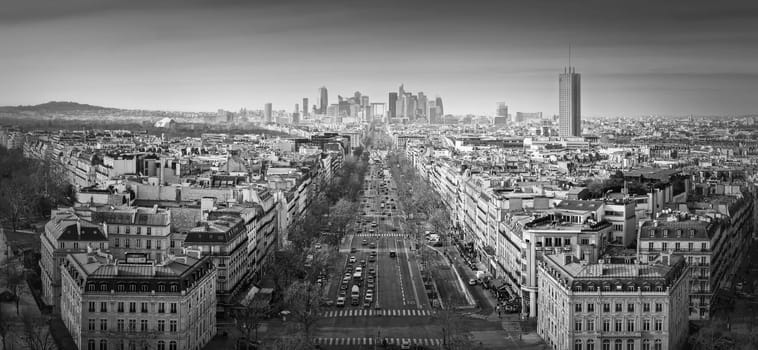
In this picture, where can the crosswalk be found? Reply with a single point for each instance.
(383, 312)
(380, 234)
(355, 341)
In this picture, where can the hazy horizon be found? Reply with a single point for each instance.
(635, 58)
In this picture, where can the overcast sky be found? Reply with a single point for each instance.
(636, 57)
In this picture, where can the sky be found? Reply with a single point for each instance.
(641, 57)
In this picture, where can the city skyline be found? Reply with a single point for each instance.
(637, 58)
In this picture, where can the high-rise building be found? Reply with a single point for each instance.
(440, 110)
(502, 110)
(305, 107)
(393, 105)
(570, 103)
(267, 113)
(324, 95)
(421, 106)
(296, 114)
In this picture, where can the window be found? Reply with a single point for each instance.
(143, 325)
(158, 244)
(618, 325)
(132, 307)
(126, 242)
(658, 325)
(567, 241)
(172, 345)
(62, 245)
(91, 344)
(148, 244)
(664, 246)
(646, 344)
(103, 306)
(143, 307)
(606, 344)
(161, 345)
(161, 308)
(139, 243)
(606, 307)
(139, 230)
(578, 307)
(161, 325)
(103, 344)
(128, 230)
(103, 324)
(646, 307)
(120, 306)
(115, 242)
(606, 325)
(578, 345)
(618, 345)
(132, 325)
(665, 233)
(76, 245)
(630, 325)
(161, 287)
(91, 306)
(629, 344)
(658, 307)
(172, 326)
(173, 308)
(91, 324)
(703, 246)
(172, 244)
(646, 325)
(174, 288)
(590, 307)
(548, 242)
(630, 307)
(149, 231)
(590, 344)
(676, 246)
(590, 325)
(619, 307)
(120, 325)
(578, 326)
(658, 344)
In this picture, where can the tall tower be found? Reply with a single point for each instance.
(393, 105)
(296, 115)
(570, 116)
(267, 117)
(305, 107)
(324, 100)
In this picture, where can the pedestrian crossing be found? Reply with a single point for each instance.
(381, 235)
(356, 341)
(370, 313)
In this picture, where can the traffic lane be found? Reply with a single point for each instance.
(391, 290)
(412, 299)
(482, 301)
(418, 282)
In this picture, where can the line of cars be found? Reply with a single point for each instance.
(358, 274)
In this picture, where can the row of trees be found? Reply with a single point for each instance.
(30, 188)
(297, 296)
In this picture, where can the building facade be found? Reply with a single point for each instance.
(570, 103)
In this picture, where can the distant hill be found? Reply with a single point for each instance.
(56, 106)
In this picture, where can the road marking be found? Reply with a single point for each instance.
(353, 341)
(372, 313)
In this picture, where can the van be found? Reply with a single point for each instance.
(355, 293)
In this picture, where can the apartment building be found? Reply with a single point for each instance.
(66, 233)
(138, 303)
(135, 229)
(606, 306)
(223, 238)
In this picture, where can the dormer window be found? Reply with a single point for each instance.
(692, 232)
(652, 233)
(665, 233)
(679, 233)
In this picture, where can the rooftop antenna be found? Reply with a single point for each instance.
(570, 58)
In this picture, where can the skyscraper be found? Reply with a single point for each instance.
(296, 115)
(393, 105)
(570, 117)
(305, 107)
(440, 110)
(502, 110)
(267, 117)
(324, 100)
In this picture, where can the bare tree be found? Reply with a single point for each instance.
(36, 334)
(14, 277)
(341, 213)
(454, 336)
(302, 300)
(249, 318)
(5, 329)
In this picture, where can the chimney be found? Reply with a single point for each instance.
(155, 209)
(567, 259)
(78, 228)
(105, 229)
(206, 205)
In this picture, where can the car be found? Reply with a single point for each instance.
(373, 252)
(392, 254)
(353, 250)
(347, 274)
(366, 304)
(405, 344)
(363, 262)
(343, 293)
(372, 258)
(352, 259)
(372, 245)
(343, 286)
(472, 281)
(364, 242)
(370, 285)
(394, 229)
(372, 271)
(317, 246)
(369, 297)
(340, 301)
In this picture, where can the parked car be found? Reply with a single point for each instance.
(341, 301)
(352, 259)
(472, 281)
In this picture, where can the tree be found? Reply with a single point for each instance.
(302, 300)
(341, 213)
(36, 334)
(17, 199)
(454, 336)
(5, 328)
(249, 319)
(14, 276)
